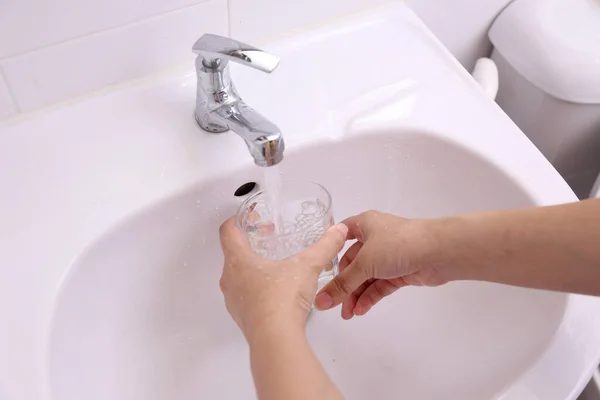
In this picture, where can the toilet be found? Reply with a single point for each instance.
(548, 58)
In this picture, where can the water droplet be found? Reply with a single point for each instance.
(185, 264)
(176, 218)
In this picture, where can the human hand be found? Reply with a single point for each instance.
(390, 252)
(259, 291)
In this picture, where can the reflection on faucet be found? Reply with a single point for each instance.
(218, 104)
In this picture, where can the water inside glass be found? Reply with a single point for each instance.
(302, 217)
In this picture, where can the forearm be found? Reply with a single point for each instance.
(555, 248)
(285, 367)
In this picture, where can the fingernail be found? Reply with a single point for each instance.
(323, 301)
(342, 228)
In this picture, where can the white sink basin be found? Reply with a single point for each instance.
(120, 300)
(142, 309)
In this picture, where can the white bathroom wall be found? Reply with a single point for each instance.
(51, 51)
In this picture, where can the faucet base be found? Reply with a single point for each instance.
(210, 126)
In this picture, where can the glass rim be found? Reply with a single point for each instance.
(263, 191)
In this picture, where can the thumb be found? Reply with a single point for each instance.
(233, 240)
(326, 248)
(344, 284)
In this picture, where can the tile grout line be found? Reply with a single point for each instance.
(100, 31)
(10, 91)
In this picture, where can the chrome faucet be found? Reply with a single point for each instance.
(219, 107)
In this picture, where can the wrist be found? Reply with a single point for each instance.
(452, 248)
(271, 329)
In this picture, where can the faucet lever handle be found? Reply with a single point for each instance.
(216, 51)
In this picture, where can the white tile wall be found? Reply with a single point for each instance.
(53, 50)
(31, 24)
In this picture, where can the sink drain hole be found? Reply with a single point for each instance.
(246, 189)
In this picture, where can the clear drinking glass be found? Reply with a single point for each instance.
(305, 213)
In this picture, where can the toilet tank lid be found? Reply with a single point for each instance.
(555, 44)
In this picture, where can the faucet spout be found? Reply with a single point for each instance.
(263, 138)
